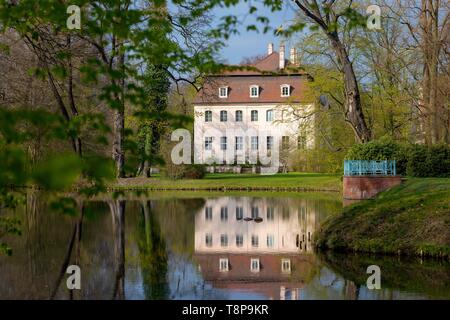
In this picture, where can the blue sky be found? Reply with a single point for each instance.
(250, 43)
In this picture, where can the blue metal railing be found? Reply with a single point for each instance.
(369, 168)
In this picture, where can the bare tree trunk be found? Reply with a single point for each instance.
(353, 108)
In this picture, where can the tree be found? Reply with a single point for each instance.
(326, 16)
(157, 85)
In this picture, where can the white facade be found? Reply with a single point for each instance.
(273, 121)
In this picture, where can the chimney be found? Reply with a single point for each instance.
(281, 65)
(293, 56)
(269, 49)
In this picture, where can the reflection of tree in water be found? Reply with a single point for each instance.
(118, 217)
(429, 278)
(152, 254)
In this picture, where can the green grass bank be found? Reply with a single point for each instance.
(410, 219)
(294, 181)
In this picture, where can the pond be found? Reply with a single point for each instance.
(199, 246)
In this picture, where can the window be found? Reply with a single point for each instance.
(285, 142)
(254, 143)
(269, 142)
(269, 115)
(254, 91)
(224, 214)
(286, 265)
(208, 213)
(239, 213)
(254, 115)
(208, 116)
(223, 143)
(270, 213)
(223, 265)
(255, 241)
(254, 265)
(285, 90)
(208, 240)
(223, 116)
(239, 143)
(223, 92)
(255, 212)
(270, 240)
(238, 115)
(239, 240)
(208, 143)
(223, 240)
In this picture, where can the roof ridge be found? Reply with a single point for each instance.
(269, 55)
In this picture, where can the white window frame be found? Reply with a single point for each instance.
(256, 260)
(236, 118)
(224, 214)
(239, 213)
(252, 112)
(271, 243)
(285, 86)
(269, 142)
(239, 143)
(208, 236)
(252, 87)
(225, 118)
(208, 143)
(208, 213)
(272, 113)
(223, 265)
(207, 119)
(283, 269)
(270, 213)
(254, 142)
(255, 212)
(223, 143)
(223, 95)
(224, 240)
(255, 243)
(240, 243)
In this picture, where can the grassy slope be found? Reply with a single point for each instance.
(302, 181)
(412, 217)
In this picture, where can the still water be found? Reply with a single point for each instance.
(199, 246)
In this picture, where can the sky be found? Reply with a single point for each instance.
(250, 43)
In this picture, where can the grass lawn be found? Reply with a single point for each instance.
(413, 219)
(229, 181)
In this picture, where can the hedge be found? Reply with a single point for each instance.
(414, 160)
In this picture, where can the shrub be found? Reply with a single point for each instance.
(195, 171)
(438, 160)
(381, 149)
(184, 171)
(417, 161)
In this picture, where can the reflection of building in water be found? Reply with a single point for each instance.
(254, 244)
(287, 225)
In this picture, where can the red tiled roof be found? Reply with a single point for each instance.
(268, 77)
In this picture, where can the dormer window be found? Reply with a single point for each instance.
(223, 92)
(285, 90)
(254, 91)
